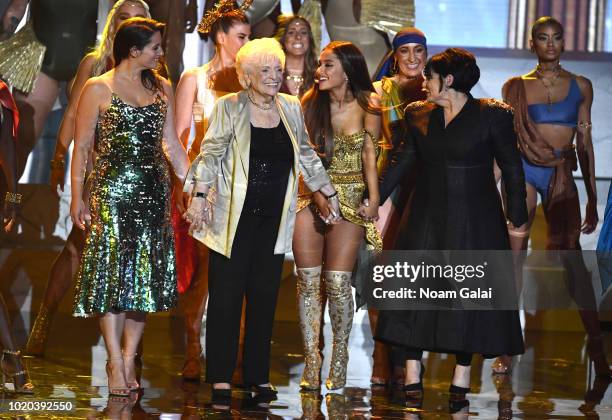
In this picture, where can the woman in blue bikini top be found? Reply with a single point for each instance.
(552, 108)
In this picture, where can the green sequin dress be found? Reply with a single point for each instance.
(128, 263)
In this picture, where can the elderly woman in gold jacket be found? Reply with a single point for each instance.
(244, 185)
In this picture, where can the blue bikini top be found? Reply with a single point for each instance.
(564, 112)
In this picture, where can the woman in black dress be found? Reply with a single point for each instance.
(453, 139)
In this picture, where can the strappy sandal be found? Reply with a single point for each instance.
(26, 387)
(115, 391)
(129, 359)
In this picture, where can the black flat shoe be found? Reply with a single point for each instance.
(221, 394)
(456, 406)
(413, 395)
(458, 390)
(264, 394)
(264, 390)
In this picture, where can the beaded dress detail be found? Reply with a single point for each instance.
(346, 173)
(128, 263)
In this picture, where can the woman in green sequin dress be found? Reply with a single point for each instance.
(127, 268)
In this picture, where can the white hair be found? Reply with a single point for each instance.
(254, 54)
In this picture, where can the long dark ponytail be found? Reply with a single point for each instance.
(137, 33)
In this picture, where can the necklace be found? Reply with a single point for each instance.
(550, 81)
(295, 78)
(267, 105)
(298, 80)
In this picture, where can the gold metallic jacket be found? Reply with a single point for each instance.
(223, 164)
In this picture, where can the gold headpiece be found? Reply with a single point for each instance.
(223, 7)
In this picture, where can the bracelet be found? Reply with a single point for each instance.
(335, 194)
(11, 197)
(56, 164)
(200, 194)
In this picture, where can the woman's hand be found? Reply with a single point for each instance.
(321, 202)
(79, 214)
(333, 209)
(181, 199)
(368, 211)
(58, 173)
(591, 218)
(9, 216)
(198, 214)
(329, 208)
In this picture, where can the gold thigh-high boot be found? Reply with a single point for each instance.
(310, 308)
(341, 308)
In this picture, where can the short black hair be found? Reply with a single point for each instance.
(461, 64)
(543, 22)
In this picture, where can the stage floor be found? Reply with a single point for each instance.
(550, 381)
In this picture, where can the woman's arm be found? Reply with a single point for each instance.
(372, 123)
(174, 150)
(401, 158)
(586, 155)
(66, 130)
(183, 111)
(313, 172)
(185, 98)
(508, 158)
(13, 15)
(205, 167)
(94, 94)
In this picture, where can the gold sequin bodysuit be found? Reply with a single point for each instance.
(346, 173)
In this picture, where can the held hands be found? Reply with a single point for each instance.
(198, 214)
(329, 208)
(80, 214)
(57, 176)
(591, 218)
(368, 211)
(179, 197)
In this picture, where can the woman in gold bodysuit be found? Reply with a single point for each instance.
(342, 117)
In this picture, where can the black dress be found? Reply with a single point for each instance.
(456, 206)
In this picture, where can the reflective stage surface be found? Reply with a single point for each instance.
(550, 381)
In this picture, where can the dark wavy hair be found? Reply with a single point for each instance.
(224, 23)
(310, 61)
(460, 63)
(543, 22)
(137, 33)
(316, 103)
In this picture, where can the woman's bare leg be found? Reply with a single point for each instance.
(132, 336)
(519, 240)
(308, 245)
(33, 111)
(342, 244)
(61, 276)
(194, 305)
(112, 326)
